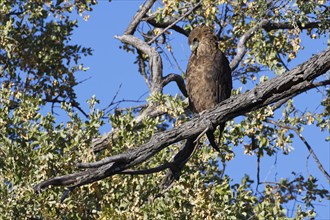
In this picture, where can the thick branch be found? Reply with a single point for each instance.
(155, 61)
(291, 83)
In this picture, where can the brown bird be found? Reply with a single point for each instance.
(208, 74)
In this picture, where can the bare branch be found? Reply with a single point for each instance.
(310, 149)
(155, 61)
(73, 103)
(138, 17)
(147, 171)
(179, 81)
(292, 82)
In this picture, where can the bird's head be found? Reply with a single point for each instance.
(197, 35)
(194, 44)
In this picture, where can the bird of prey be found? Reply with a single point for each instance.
(208, 75)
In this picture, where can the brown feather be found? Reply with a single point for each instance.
(208, 73)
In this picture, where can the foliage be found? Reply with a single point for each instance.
(38, 64)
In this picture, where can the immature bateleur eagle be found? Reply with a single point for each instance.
(208, 74)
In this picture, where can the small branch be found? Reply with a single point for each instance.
(117, 103)
(281, 102)
(113, 98)
(175, 22)
(142, 68)
(310, 149)
(131, 108)
(258, 169)
(179, 81)
(224, 19)
(73, 103)
(138, 17)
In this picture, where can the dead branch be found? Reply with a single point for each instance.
(291, 83)
(287, 25)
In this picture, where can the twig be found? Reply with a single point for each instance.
(113, 98)
(310, 149)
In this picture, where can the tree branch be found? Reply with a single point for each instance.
(310, 149)
(179, 81)
(155, 61)
(292, 82)
(311, 86)
(138, 17)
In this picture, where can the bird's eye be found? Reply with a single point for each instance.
(195, 40)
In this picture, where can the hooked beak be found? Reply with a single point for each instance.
(193, 46)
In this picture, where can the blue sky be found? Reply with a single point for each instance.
(110, 67)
